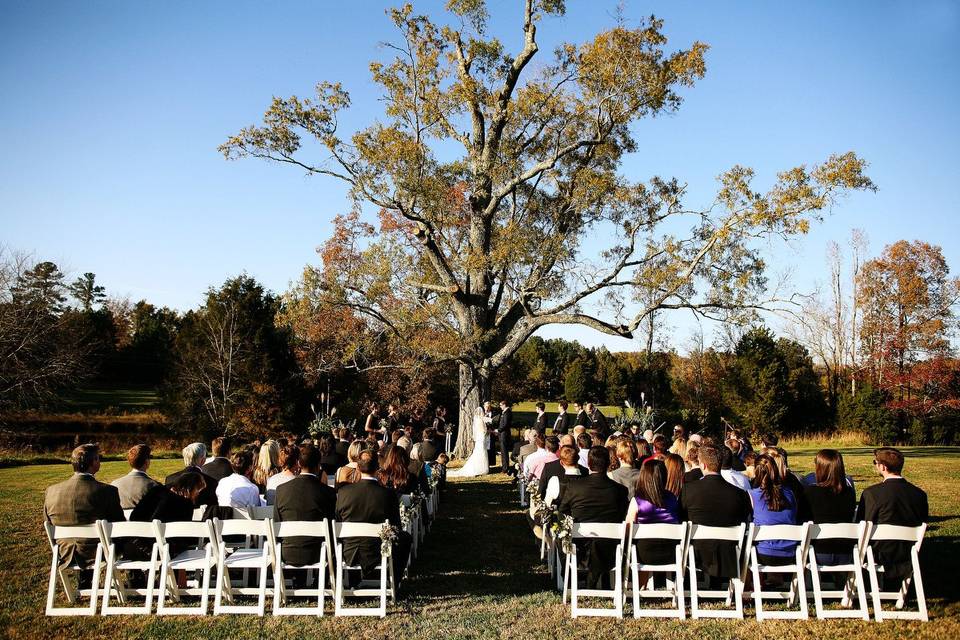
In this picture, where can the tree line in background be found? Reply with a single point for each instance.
(873, 354)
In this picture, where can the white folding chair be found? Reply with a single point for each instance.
(733, 594)
(110, 534)
(323, 567)
(522, 486)
(260, 513)
(201, 559)
(380, 589)
(68, 573)
(853, 578)
(890, 533)
(126, 513)
(595, 531)
(674, 571)
(798, 533)
(198, 514)
(243, 558)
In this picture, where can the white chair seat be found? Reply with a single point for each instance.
(245, 559)
(191, 559)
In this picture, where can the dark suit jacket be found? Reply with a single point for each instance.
(158, 504)
(714, 502)
(81, 499)
(366, 501)
(820, 504)
(303, 498)
(893, 501)
(599, 422)
(693, 475)
(341, 447)
(541, 423)
(595, 498)
(218, 468)
(505, 427)
(209, 494)
(582, 420)
(428, 451)
(554, 468)
(561, 425)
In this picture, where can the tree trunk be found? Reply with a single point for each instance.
(475, 386)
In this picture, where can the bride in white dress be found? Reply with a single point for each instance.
(477, 464)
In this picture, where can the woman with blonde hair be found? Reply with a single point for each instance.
(679, 445)
(268, 464)
(349, 473)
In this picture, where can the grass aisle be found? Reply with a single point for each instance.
(478, 576)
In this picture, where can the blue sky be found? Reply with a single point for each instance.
(111, 113)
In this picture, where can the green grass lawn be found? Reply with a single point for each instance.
(98, 399)
(478, 576)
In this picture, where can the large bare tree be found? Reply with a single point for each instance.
(488, 200)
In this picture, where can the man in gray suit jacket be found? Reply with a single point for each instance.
(81, 499)
(134, 485)
(627, 473)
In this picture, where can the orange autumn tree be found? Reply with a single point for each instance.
(499, 203)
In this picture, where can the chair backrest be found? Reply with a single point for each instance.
(114, 530)
(792, 532)
(732, 534)
(885, 532)
(198, 513)
(305, 528)
(241, 514)
(165, 530)
(660, 531)
(602, 530)
(78, 531)
(126, 513)
(838, 531)
(358, 529)
(260, 513)
(242, 527)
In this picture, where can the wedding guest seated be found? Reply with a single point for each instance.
(174, 503)
(551, 446)
(395, 473)
(584, 442)
(136, 483)
(219, 466)
(660, 446)
(368, 501)
(404, 440)
(330, 460)
(555, 467)
(268, 464)
(894, 500)
(789, 479)
(769, 439)
(237, 490)
(553, 487)
(693, 465)
(730, 474)
(648, 435)
(714, 502)
(735, 445)
(596, 498)
(773, 503)
(675, 471)
(81, 499)
(304, 497)
(529, 446)
(653, 503)
(540, 442)
(426, 450)
(290, 467)
(344, 437)
(680, 441)
(194, 455)
(349, 473)
(830, 500)
(749, 459)
(626, 473)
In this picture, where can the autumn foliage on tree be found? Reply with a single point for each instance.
(472, 194)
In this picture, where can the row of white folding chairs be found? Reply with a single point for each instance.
(212, 552)
(745, 538)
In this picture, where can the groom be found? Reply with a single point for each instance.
(504, 428)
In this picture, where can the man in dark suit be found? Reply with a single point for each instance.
(596, 498)
(343, 442)
(81, 499)
(427, 450)
(505, 435)
(541, 422)
(492, 418)
(194, 455)
(368, 501)
(714, 502)
(582, 419)
(598, 421)
(219, 467)
(563, 422)
(892, 501)
(304, 498)
(555, 467)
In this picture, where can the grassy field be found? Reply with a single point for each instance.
(478, 577)
(100, 399)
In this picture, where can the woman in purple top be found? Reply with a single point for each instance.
(773, 503)
(653, 504)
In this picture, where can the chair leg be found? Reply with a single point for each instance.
(262, 600)
(918, 586)
(874, 586)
